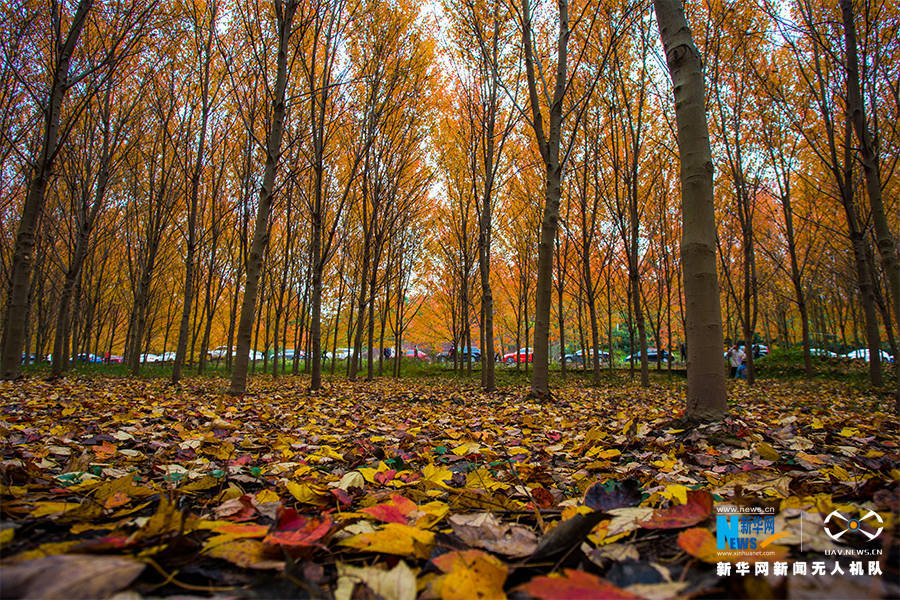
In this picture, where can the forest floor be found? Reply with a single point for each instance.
(429, 488)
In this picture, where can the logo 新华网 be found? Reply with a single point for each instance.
(745, 532)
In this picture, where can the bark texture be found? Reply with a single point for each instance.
(706, 391)
(261, 225)
(18, 299)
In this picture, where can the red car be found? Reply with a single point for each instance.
(523, 355)
(417, 355)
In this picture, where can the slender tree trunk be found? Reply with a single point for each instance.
(488, 380)
(189, 260)
(17, 304)
(360, 312)
(261, 226)
(562, 332)
(885, 241)
(540, 378)
(706, 390)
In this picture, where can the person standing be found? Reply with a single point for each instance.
(735, 357)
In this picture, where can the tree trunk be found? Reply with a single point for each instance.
(706, 390)
(886, 243)
(184, 327)
(17, 304)
(261, 226)
(540, 378)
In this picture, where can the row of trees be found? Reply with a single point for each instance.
(792, 194)
(292, 174)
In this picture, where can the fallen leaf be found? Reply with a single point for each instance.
(296, 530)
(398, 583)
(394, 538)
(698, 508)
(701, 543)
(612, 494)
(484, 530)
(470, 574)
(69, 576)
(251, 554)
(306, 493)
(575, 584)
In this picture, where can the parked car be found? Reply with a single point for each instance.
(87, 357)
(339, 354)
(822, 352)
(149, 358)
(577, 357)
(863, 354)
(115, 359)
(759, 350)
(652, 356)
(220, 352)
(462, 353)
(287, 354)
(520, 356)
(417, 354)
(167, 357)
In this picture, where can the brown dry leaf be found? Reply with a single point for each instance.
(248, 553)
(69, 576)
(484, 530)
(398, 583)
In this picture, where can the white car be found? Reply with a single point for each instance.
(149, 358)
(863, 354)
(822, 352)
(339, 354)
(167, 357)
(220, 352)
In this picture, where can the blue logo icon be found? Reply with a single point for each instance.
(744, 532)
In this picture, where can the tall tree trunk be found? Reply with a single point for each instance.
(261, 226)
(360, 311)
(189, 260)
(17, 304)
(887, 247)
(706, 390)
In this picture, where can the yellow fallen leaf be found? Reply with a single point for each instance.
(369, 473)
(470, 574)
(394, 538)
(767, 452)
(437, 475)
(676, 492)
(246, 553)
(307, 493)
(599, 452)
(267, 496)
(466, 448)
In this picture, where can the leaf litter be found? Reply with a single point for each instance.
(426, 489)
